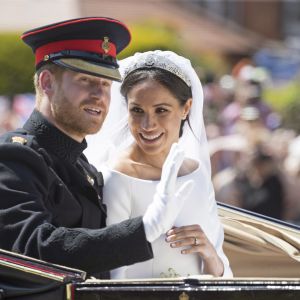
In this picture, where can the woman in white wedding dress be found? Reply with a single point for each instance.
(160, 103)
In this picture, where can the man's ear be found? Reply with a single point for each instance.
(47, 82)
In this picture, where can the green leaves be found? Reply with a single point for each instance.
(16, 65)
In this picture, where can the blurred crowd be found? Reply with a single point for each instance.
(15, 110)
(255, 161)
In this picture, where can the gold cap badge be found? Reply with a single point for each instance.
(105, 44)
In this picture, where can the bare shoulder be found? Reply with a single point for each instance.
(125, 165)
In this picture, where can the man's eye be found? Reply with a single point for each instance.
(106, 83)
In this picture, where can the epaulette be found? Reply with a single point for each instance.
(19, 136)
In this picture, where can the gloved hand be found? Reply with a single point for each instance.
(167, 202)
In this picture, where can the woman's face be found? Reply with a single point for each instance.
(155, 116)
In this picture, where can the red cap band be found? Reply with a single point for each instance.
(94, 46)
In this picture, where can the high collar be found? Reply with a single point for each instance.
(52, 139)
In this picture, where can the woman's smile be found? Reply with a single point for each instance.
(150, 138)
(155, 116)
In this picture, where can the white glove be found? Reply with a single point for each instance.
(167, 203)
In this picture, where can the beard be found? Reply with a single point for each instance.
(72, 119)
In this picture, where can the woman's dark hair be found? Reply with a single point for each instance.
(177, 87)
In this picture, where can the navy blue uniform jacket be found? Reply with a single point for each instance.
(51, 206)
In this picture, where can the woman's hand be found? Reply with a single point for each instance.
(167, 201)
(193, 240)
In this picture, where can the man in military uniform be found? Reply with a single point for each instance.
(51, 206)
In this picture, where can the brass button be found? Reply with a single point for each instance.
(90, 179)
(184, 296)
(19, 140)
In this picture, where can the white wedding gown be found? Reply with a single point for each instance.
(128, 197)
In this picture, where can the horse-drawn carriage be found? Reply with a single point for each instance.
(264, 254)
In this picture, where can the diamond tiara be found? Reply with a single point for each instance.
(160, 62)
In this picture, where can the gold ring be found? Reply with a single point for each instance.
(196, 241)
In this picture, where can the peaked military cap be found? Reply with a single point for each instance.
(88, 45)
